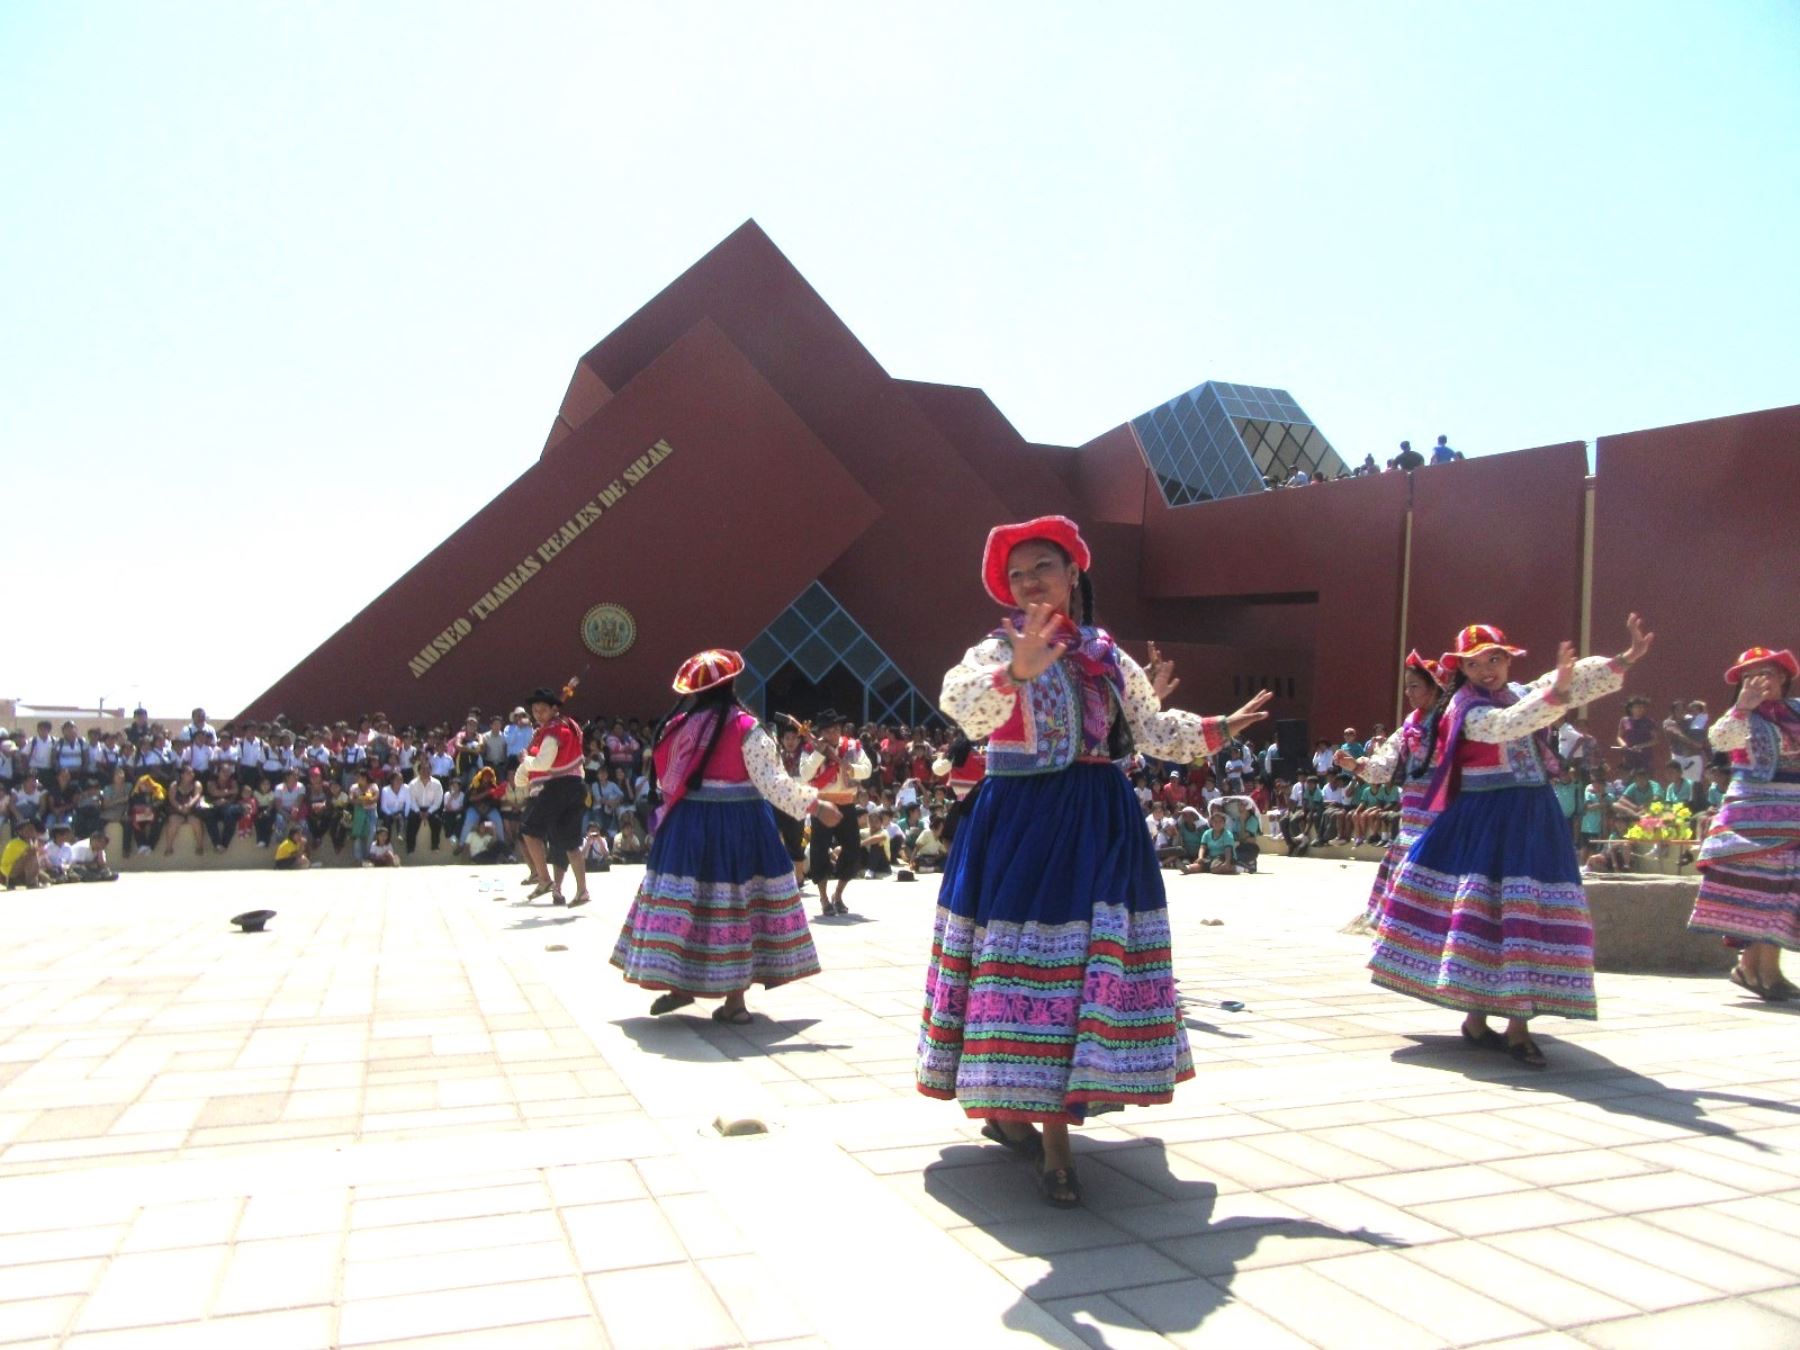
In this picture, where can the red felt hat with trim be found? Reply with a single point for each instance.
(1473, 641)
(1003, 539)
(705, 669)
(1762, 656)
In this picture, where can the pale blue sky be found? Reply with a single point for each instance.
(291, 290)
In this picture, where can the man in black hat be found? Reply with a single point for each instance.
(834, 765)
(551, 768)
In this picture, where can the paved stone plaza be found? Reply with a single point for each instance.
(419, 1111)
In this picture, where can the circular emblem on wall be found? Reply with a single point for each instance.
(608, 630)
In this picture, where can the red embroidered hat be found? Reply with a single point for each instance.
(1003, 539)
(705, 669)
(1474, 640)
(1432, 670)
(1762, 656)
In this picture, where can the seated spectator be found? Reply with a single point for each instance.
(450, 815)
(483, 803)
(22, 860)
(1408, 459)
(381, 849)
(293, 853)
(182, 812)
(1334, 818)
(88, 860)
(928, 851)
(115, 803)
(1245, 821)
(58, 857)
(1190, 826)
(482, 843)
(595, 851)
(1637, 798)
(629, 844)
(1441, 453)
(876, 861)
(1217, 849)
(425, 799)
(1718, 778)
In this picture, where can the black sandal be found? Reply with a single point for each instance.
(1486, 1039)
(1030, 1148)
(1062, 1190)
(738, 1017)
(581, 899)
(1527, 1053)
(669, 1002)
(1748, 984)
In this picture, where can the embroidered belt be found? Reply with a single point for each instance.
(725, 792)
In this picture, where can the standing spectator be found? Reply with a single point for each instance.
(1441, 453)
(196, 724)
(426, 798)
(365, 810)
(1409, 459)
(1637, 734)
(1685, 752)
(1573, 744)
(517, 736)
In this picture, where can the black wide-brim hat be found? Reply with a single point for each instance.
(831, 717)
(542, 695)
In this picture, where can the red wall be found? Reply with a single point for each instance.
(667, 551)
(1694, 528)
(1498, 540)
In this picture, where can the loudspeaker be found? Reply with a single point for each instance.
(1292, 748)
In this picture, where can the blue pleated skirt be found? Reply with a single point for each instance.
(1050, 993)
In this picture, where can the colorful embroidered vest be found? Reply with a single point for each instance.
(568, 762)
(1065, 713)
(1476, 766)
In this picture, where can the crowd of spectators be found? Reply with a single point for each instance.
(374, 794)
(1405, 461)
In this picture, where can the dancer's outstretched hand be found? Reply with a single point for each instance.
(1251, 713)
(1162, 675)
(1033, 649)
(1565, 667)
(1757, 690)
(1640, 641)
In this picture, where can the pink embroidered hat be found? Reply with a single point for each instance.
(705, 669)
(1473, 641)
(1431, 670)
(1003, 539)
(1762, 656)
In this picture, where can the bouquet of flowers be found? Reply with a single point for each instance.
(1663, 821)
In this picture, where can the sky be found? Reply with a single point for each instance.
(287, 292)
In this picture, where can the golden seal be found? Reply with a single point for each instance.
(608, 630)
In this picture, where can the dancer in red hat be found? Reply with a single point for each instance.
(719, 908)
(1402, 756)
(1486, 913)
(1050, 995)
(1750, 859)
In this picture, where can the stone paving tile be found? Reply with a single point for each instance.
(621, 1235)
(1522, 1286)
(661, 1308)
(487, 1306)
(293, 1329)
(147, 1288)
(1325, 1312)
(1450, 1311)
(1740, 1324)
(1612, 1272)
(1479, 1215)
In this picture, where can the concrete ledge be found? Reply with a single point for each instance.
(1640, 926)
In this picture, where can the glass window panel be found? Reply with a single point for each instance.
(840, 631)
(863, 658)
(814, 659)
(815, 604)
(763, 655)
(790, 630)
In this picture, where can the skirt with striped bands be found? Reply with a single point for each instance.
(1486, 914)
(1050, 994)
(719, 908)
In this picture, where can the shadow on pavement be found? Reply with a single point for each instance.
(544, 921)
(1580, 1074)
(691, 1034)
(1130, 1198)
